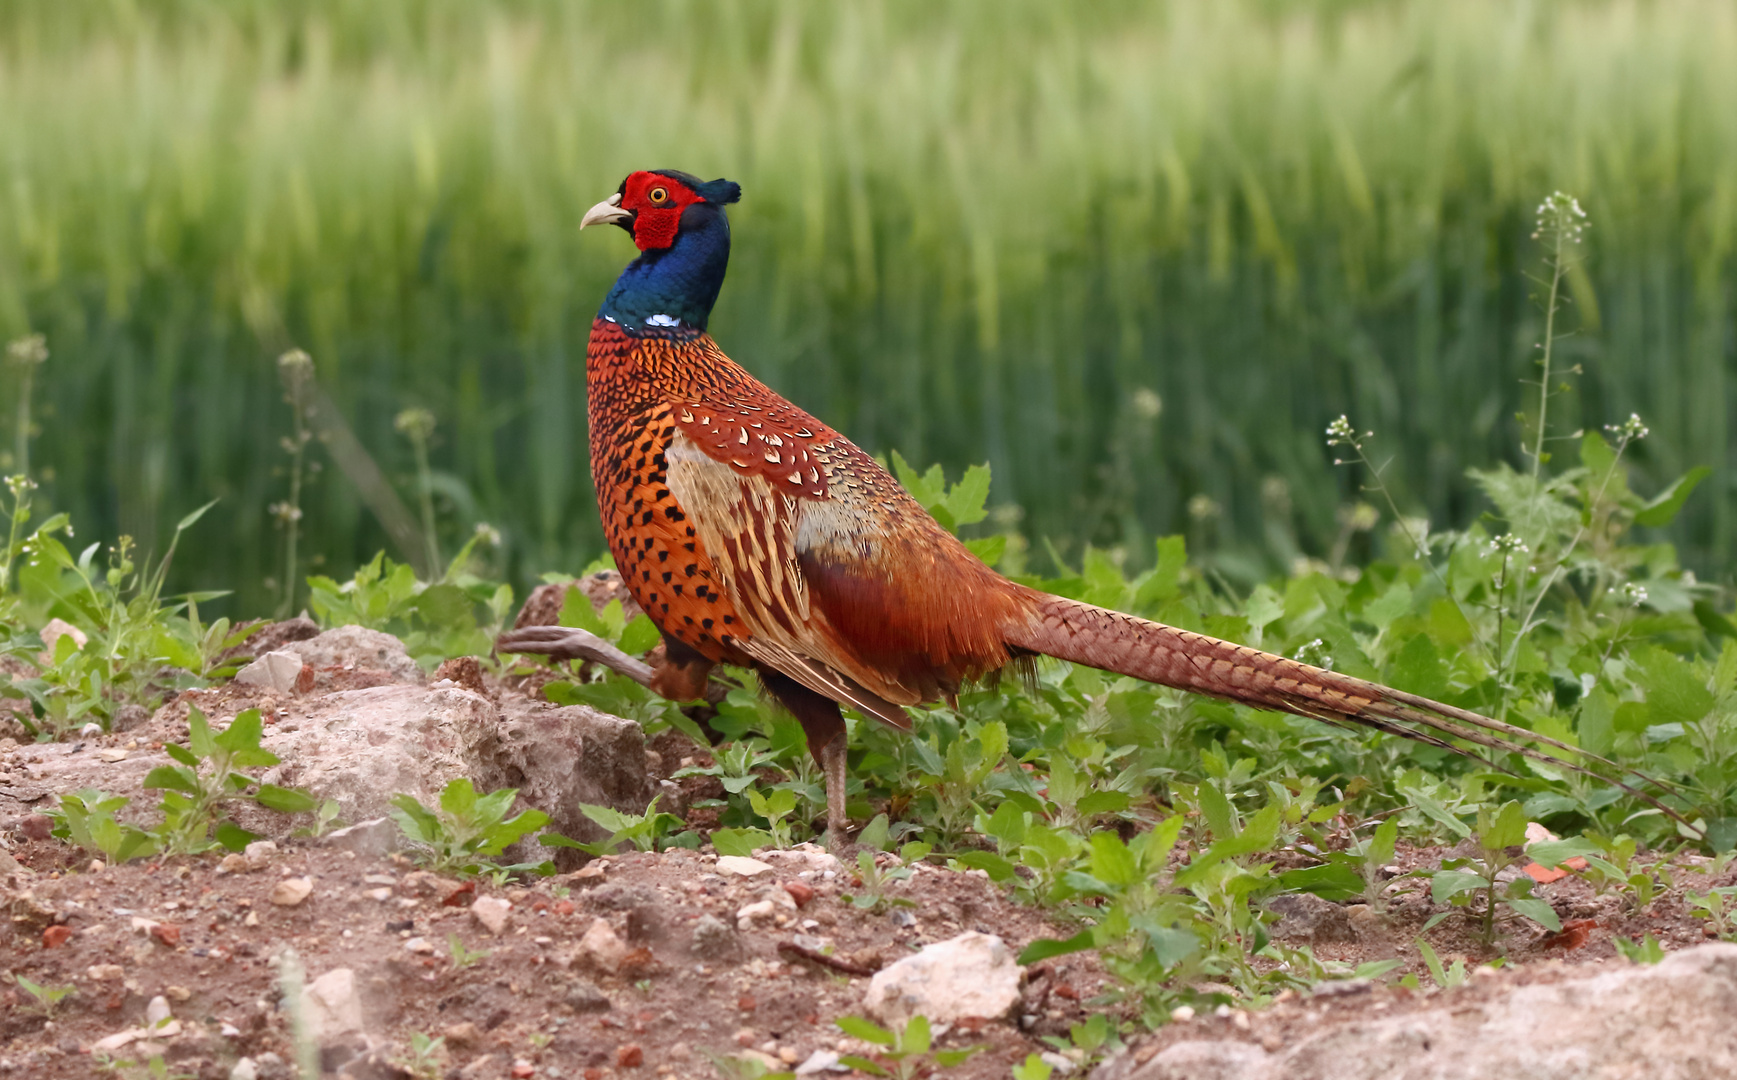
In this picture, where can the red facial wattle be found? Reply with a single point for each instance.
(657, 203)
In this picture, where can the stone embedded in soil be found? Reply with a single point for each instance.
(1307, 917)
(332, 1005)
(259, 854)
(360, 747)
(491, 913)
(371, 838)
(357, 648)
(742, 866)
(970, 975)
(583, 997)
(712, 938)
(757, 912)
(1670, 1020)
(290, 892)
(278, 671)
(601, 949)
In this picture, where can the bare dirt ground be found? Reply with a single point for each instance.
(635, 965)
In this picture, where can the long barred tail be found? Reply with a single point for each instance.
(1126, 645)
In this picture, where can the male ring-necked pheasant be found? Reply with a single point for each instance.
(754, 534)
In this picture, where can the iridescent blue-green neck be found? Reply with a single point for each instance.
(679, 284)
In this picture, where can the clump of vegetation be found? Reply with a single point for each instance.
(466, 830)
(206, 778)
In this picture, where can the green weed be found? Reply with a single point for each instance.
(905, 1054)
(466, 830)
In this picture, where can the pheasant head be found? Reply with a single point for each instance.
(678, 223)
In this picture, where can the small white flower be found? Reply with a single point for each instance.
(1630, 430)
(1634, 594)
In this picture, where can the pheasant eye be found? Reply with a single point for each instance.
(659, 194)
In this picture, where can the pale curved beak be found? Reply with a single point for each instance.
(607, 212)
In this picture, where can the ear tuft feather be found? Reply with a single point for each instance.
(720, 192)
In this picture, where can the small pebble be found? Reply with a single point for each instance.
(290, 892)
(1182, 1013)
(629, 1056)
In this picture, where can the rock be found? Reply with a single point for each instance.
(128, 717)
(259, 854)
(233, 863)
(462, 1035)
(601, 948)
(1307, 917)
(36, 826)
(491, 913)
(279, 671)
(620, 897)
(464, 672)
(244, 1069)
(801, 892)
(369, 839)
(157, 1012)
(818, 1062)
(105, 973)
(758, 911)
(51, 633)
(1630, 1022)
(629, 1056)
(56, 936)
(110, 1043)
(970, 975)
(584, 998)
(742, 866)
(290, 892)
(360, 649)
(331, 1004)
(713, 939)
(360, 747)
(804, 856)
(559, 758)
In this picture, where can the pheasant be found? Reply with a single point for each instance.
(753, 534)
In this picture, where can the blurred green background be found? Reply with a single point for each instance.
(1135, 255)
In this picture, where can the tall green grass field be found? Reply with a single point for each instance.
(1136, 255)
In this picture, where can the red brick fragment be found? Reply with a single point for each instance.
(629, 1056)
(56, 936)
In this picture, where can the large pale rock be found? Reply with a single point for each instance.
(275, 671)
(969, 975)
(559, 758)
(357, 648)
(332, 1005)
(361, 747)
(1669, 1022)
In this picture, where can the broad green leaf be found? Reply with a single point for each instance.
(916, 1038)
(1045, 948)
(1550, 853)
(458, 799)
(243, 733)
(1662, 510)
(166, 777)
(858, 1028)
(1537, 910)
(1444, 885)
(1111, 861)
(285, 800)
(1332, 881)
(199, 733)
(739, 841)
